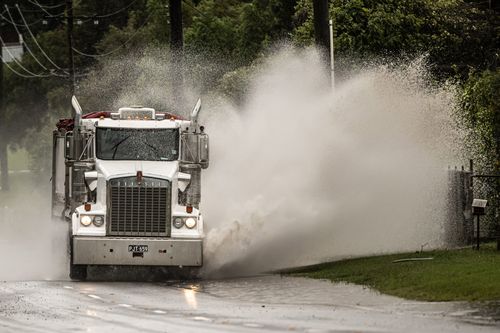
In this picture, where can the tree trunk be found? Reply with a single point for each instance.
(4, 166)
(321, 27)
(176, 35)
(176, 49)
(496, 133)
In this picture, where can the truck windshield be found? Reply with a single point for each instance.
(137, 144)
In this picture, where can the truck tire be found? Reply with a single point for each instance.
(78, 272)
(187, 273)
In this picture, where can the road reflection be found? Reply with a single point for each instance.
(190, 297)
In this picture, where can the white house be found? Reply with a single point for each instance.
(12, 48)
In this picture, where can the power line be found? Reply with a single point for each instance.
(19, 74)
(36, 42)
(116, 49)
(45, 6)
(17, 24)
(195, 9)
(44, 10)
(95, 16)
(69, 36)
(27, 47)
(31, 74)
(116, 12)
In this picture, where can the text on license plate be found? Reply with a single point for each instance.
(137, 248)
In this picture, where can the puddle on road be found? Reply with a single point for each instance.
(274, 289)
(483, 313)
(292, 290)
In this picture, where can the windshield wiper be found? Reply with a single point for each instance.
(153, 148)
(115, 147)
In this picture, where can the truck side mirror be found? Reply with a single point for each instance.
(195, 149)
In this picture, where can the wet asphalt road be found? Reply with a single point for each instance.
(257, 304)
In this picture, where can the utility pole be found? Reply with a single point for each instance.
(332, 58)
(496, 133)
(1, 84)
(69, 32)
(176, 52)
(1, 72)
(176, 35)
(321, 33)
(4, 165)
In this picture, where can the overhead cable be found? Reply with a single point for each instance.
(116, 12)
(17, 24)
(195, 9)
(116, 49)
(26, 45)
(31, 74)
(36, 42)
(44, 10)
(22, 75)
(95, 16)
(45, 6)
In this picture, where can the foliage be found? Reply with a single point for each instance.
(481, 115)
(238, 30)
(456, 34)
(214, 29)
(235, 84)
(453, 275)
(459, 36)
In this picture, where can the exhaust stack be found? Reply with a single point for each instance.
(78, 112)
(194, 115)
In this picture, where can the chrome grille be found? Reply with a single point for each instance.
(139, 208)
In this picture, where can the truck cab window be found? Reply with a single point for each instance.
(137, 144)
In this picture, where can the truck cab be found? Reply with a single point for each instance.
(129, 184)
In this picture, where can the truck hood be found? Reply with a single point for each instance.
(156, 169)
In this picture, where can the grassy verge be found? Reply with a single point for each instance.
(453, 275)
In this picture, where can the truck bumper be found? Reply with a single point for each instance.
(152, 252)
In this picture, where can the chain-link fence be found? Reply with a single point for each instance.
(464, 186)
(459, 226)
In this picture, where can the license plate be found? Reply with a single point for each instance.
(138, 248)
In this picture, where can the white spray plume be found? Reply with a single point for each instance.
(34, 246)
(299, 176)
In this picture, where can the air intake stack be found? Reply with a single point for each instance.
(194, 157)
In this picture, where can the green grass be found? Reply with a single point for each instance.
(453, 275)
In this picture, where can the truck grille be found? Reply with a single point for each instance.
(139, 209)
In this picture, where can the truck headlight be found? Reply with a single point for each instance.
(178, 222)
(190, 223)
(86, 220)
(98, 221)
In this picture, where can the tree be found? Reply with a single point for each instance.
(456, 34)
(481, 115)
(28, 102)
(238, 31)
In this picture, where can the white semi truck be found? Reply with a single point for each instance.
(128, 183)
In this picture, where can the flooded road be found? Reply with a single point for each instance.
(257, 304)
(36, 248)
